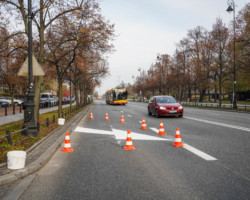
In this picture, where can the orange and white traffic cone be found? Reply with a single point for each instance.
(106, 117)
(161, 130)
(129, 144)
(143, 124)
(91, 116)
(122, 119)
(67, 145)
(177, 141)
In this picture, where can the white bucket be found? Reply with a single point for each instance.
(61, 121)
(16, 159)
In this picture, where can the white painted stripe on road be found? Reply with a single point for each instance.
(191, 149)
(96, 131)
(119, 134)
(129, 116)
(155, 130)
(122, 135)
(220, 124)
(199, 153)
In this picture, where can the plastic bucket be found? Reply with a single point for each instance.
(61, 121)
(16, 159)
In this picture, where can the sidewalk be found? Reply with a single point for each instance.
(19, 116)
(40, 153)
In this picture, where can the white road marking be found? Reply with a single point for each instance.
(119, 134)
(122, 135)
(129, 116)
(220, 124)
(96, 131)
(140, 122)
(198, 152)
(192, 149)
(155, 130)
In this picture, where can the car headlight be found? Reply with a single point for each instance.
(180, 108)
(162, 108)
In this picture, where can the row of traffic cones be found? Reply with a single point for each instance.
(143, 124)
(129, 144)
(107, 117)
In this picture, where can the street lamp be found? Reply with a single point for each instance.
(231, 7)
(29, 118)
(141, 82)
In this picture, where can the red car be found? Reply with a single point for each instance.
(164, 106)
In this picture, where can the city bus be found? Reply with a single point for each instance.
(117, 96)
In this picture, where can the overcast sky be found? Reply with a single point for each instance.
(145, 28)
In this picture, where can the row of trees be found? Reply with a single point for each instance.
(202, 64)
(70, 39)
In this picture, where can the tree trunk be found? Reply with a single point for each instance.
(76, 91)
(81, 94)
(38, 82)
(60, 95)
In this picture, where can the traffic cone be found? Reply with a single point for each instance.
(161, 130)
(177, 141)
(122, 119)
(67, 146)
(107, 117)
(143, 124)
(91, 116)
(129, 144)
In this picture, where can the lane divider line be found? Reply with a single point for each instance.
(193, 150)
(129, 116)
(220, 124)
(199, 153)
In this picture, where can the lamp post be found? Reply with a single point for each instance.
(231, 7)
(29, 118)
(141, 82)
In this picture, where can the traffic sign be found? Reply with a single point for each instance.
(37, 69)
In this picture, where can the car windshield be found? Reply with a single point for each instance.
(166, 100)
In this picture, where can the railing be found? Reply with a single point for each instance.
(41, 126)
(4, 111)
(15, 109)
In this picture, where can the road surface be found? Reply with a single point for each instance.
(213, 164)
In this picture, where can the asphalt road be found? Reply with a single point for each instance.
(213, 164)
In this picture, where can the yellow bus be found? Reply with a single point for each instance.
(117, 96)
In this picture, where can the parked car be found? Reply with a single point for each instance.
(44, 103)
(164, 106)
(52, 101)
(8, 99)
(4, 104)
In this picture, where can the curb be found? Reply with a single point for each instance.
(46, 156)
